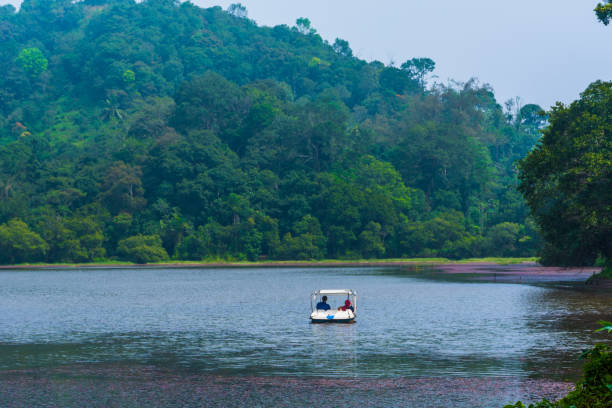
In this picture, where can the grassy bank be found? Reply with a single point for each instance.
(602, 279)
(323, 262)
(606, 272)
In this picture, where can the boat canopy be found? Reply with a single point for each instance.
(335, 292)
(346, 292)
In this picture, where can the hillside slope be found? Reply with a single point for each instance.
(161, 129)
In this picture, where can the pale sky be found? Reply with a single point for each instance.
(541, 50)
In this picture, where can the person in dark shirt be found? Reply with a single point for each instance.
(322, 305)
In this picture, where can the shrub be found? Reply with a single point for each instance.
(19, 244)
(142, 249)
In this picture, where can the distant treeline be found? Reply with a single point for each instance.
(163, 130)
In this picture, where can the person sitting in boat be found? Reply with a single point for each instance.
(347, 306)
(322, 305)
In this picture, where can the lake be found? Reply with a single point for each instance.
(241, 337)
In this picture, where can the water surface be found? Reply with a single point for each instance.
(411, 323)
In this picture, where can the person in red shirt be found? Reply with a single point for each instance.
(347, 306)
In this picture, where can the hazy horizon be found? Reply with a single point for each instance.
(542, 52)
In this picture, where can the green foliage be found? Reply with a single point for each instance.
(226, 140)
(594, 390)
(128, 76)
(606, 272)
(595, 387)
(238, 10)
(32, 61)
(308, 242)
(370, 241)
(342, 47)
(123, 188)
(303, 26)
(142, 249)
(604, 12)
(419, 68)
(503, 240)
(566, 179)
(78, 239)
(604, 326)
(442, 236)
(19, 244)
(195, 246)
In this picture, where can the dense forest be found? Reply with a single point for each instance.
(157, 130)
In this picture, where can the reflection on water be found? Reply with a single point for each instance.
(255, 322)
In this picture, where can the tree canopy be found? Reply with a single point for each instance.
(604, 12)
(567, 179)
(157, 129)
(32, 61)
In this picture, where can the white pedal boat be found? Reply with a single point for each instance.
(335, 314)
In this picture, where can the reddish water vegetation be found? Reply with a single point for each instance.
(525, 272)
(131, 386)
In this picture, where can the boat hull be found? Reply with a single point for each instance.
(332, 316)
(331, 321)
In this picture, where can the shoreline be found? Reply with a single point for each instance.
(280, 264)
(529, 273)
(511, 270)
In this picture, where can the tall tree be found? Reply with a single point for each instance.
(303, 26)
(567, 179)
(238, 10)
(342, 47)
(419, 68)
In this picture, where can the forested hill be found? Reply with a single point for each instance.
(155, 130)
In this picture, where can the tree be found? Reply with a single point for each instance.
(381, 179)
(443, 235)
(123, 187)
(533, 118)
(370, 241)
(142, 249)
(7, 10)
(211, 102)
(112, 109)
(567, 179)
(604, 12)
(418, 68)
(307, 243)
(303, 26)
(397, 80)
(86, 242)
(238, 10)
(502, 239)
(32, 61)
(195, 246)
(342, 47)
(19, 244)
